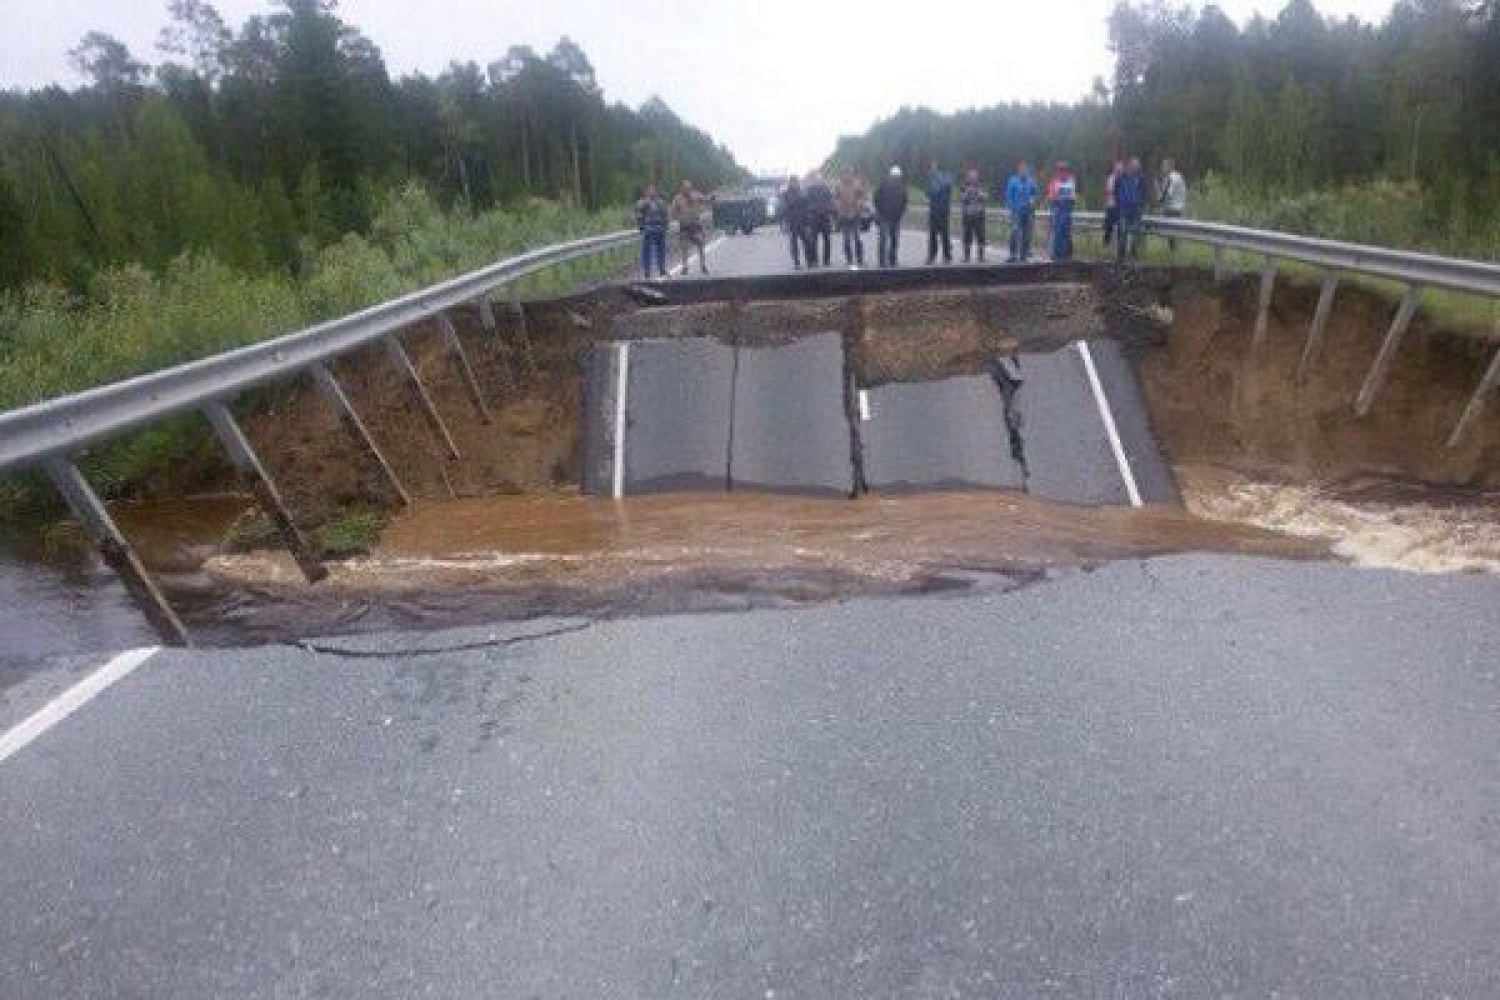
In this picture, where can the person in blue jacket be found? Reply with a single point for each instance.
(1020, 199)
(939, 208)
(1130, 199)
(651, 219)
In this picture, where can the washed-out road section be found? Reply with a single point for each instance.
(1187, 776)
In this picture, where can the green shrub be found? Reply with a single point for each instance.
(128, 319)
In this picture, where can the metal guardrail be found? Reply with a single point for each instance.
(1426, 270)
(60, 426)
(51, 433)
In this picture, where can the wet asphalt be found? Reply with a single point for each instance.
(1192, 776)
(1179, 777)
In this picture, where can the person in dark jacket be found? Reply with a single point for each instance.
(971, 209)
(939, 208)
(819, 220)
(794, 215)
(1130, 200)
(890, 206)
(1111, 209)
(651, 219)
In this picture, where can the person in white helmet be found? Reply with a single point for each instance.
(890, 206)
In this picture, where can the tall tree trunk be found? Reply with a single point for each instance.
(463, 180)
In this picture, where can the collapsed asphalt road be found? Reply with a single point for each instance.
(1187, 776)
(1195, 776)
(789, 413)
(700, 414)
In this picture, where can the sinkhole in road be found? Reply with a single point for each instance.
(968, 414)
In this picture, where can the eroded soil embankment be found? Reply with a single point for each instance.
(1217, 398)
(530, 381)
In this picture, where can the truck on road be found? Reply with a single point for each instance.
(746, 208)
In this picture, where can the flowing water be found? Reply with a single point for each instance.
(465, 561)
(1384, 523)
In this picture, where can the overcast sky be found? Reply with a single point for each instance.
(777, 80)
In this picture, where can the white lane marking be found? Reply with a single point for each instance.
(1106, 415)
(677, 269)
(864, 405)
(73, 699)
(622, 388)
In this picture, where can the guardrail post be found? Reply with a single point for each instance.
(1319, 324)
(1382, 365)
(1218, 263)
(1488, 384)
(522, 332)
(357, 431)
(117, 553)
(264, 487)
(461, 358)
(424, 399)
(491, 327)
(1267, 289)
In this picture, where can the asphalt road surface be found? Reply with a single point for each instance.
(700, 414)
(952, 433)
(1183, 777)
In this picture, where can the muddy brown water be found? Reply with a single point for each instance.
(467, 561)
(447, 563)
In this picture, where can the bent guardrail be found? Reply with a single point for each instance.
(51, 433)
(1418, 271)
(68, 423)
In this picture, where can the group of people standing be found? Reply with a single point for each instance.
(811, 209)
(1125, 199)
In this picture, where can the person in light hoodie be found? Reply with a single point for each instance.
(1172, 196)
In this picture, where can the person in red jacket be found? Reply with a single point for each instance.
(1062, 195)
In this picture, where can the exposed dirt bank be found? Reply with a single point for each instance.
(1213, 398)
(1217, 399)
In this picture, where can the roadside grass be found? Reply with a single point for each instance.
(351, 533)
(129, 320)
